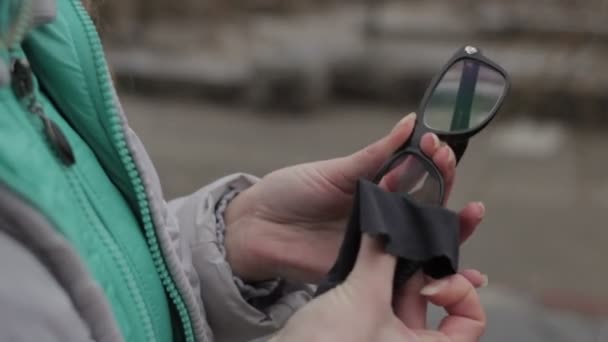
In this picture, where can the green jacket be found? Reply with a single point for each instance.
(93, 250)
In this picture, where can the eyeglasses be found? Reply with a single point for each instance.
(15, 18)
(460, 101)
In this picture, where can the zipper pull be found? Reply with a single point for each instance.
(23, 86)
(21, 77)
(56, 137)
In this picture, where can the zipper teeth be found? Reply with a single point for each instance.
(106, 240)
(123, 267)
(128, 163)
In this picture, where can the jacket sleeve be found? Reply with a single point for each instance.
(33, 306)
(235, 311)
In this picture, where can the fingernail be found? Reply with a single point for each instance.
(408, 118)
(433, 288)
(485, 281)
(436, 141)
(482, 209)
(445, 152)
(451, 158)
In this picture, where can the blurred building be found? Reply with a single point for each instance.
(555, 49)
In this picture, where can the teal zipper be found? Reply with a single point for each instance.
(120, 143)
(23, 86)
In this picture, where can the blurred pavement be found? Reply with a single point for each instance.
(545, 187)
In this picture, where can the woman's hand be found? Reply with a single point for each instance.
(292, 222)
(363, 308)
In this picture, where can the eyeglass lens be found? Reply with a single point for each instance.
(465, 97)
(408, 174)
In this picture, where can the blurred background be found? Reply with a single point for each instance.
(221, 86)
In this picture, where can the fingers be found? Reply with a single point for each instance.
(404, 175)
(344, 173)
(366, 162)
(446, 162)
(470, 217)
(410, 305)
(476, 278)
(374, 269)
(430, 144)
(443, 157)
(466, 318)
(430, 336)
(407, 172)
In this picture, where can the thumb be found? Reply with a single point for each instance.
(374, 270)
(345, 172)
(367, 161)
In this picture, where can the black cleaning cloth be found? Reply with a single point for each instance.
(421, 236)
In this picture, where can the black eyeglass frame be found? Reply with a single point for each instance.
(458, 140)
